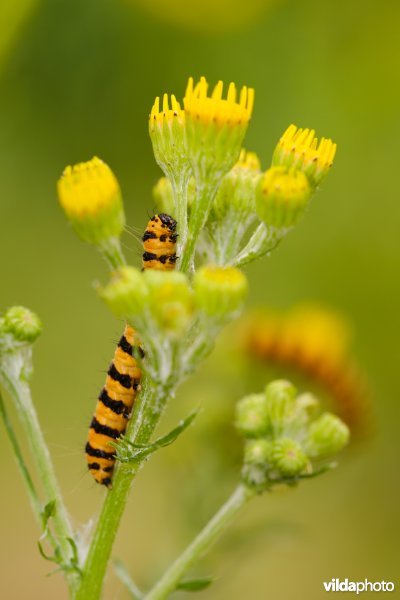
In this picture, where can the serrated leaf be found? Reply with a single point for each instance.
(195, 585)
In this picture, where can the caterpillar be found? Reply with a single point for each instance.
(159, 243)
(117, 397)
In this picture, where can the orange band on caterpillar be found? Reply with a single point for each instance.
(116, 400)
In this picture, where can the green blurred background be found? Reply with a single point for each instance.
(77, 79)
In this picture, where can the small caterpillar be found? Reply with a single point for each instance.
(159, 243)
(116, 399)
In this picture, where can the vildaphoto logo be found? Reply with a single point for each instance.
(337, 585)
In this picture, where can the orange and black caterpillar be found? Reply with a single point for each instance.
(116, 399)
(159, 243)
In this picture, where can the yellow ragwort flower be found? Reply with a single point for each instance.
(300, 148)
(215, 126)
(248, 161)
(214, 109)
(90, 196)
(167, 133)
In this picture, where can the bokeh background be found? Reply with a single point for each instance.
(77, 79)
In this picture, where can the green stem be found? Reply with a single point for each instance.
(201, 544)
(180, 185)
(112, 252)
(141, 427)
(127, 580)
(33, 496)
(262, 241)
(20, 393)
(198, 218)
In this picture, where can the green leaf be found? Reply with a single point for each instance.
(195, 585)
(48, 512)
(128, 451)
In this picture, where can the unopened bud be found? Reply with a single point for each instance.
(327, 435)
(252, 416)
(280, 398)
(282, 196)
(219, 291)
(127, 292)
(22, 324)
(288, 457)
(170, 299)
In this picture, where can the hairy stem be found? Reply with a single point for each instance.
(10, 377)
(201, 544)
(142, 425)
(262, 241)
(198, 218)
(33, 496)
(180, 188)
(112, 252)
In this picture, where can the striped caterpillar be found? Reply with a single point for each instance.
(115, 402)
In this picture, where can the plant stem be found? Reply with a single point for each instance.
(180, 184)
(198, 218)
(127, 580)
(141, 427)
(10, 377)
(33, 496)
(112, 252)
(201, 544)
(263, 240)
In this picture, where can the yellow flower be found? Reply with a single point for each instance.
(167, 133)
(214, 109)
(90, 196)
(215, 126)
(300, 148)
(248, 160)
(219, 291)
(166, 114)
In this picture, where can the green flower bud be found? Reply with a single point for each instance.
(170, 299)
(215, 127)
(22, 324)
(91, 199)
(280, 399)
(282, 196)
(252, 416)
(288, 458)
(219, 291)
(299, 148)
(257, 452)
(168, 136)
(326, 436)
(127, 293)
(238, 188)
(257, 465)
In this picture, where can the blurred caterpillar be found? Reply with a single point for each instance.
(314, 341)
(116, 399)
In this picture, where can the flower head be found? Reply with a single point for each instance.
(167, 133)
(300, 148)
(219, 291)
(22, 324)
(216, 126)
(282, 196)
(90, 196)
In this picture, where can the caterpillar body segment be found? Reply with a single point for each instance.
(116, 399)
(159, 243)
(113, 409)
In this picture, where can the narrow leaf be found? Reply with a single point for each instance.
(195, 585)
(124, 576)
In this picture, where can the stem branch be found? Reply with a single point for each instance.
(201, 544)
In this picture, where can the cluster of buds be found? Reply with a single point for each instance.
(285, 435)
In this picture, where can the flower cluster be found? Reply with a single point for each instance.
(285, 436)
